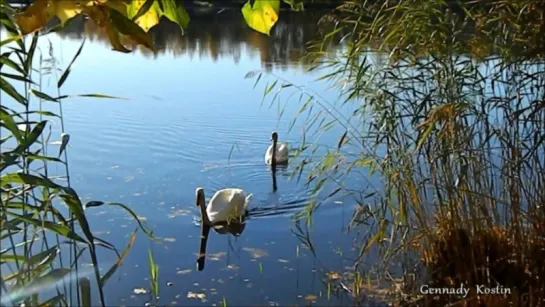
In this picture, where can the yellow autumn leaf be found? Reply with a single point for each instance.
(35, 16)
(39, 13)
(65, 10)
(149, 19)
(262, 16)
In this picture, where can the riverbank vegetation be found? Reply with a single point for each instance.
(448, 109)
(49, 251)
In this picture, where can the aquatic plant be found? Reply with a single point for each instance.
(45, 234)
(445, 106)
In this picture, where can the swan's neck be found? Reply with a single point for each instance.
(273, 160)
(204, 216)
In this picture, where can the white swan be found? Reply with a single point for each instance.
(277, 152)
(226, 205)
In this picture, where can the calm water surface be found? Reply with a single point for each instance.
(191, 119)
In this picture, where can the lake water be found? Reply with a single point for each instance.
(191, 120)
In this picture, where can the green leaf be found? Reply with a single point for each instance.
(9, 123)
(11, 39)
(12, 224)
(43, 96)
(269, 88)
(44, 158)
(175, 12)
(65, 138)
(16, 77)
(6, 87)
(30, 53)
(91, 96)
(72, 201)
(341, 140)
(5, 60)
(12, 258)
(262, 16)
(57, 228)
(120, 259)
(44, 113)
(42, 257)
(31, 137)
(28, 179)
(154, 272)
(127, 27)
(67, 71)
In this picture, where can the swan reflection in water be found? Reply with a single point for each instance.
(225, 213)
(274, 170)
(234, 228)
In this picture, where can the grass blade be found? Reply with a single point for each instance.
(67, 71)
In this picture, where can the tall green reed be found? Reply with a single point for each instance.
(446, 106)
(42, 217)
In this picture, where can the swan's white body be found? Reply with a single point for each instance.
(281, 153)
(227, 204)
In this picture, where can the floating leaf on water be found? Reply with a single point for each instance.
(283, 260)
(255, 252)
(183, 272)
(196, 295)
(233, 267)
(178, 212)
(140, 291)
(311, 297)
(216, 256)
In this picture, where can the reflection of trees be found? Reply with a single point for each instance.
(225, 34)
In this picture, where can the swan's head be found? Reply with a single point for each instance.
(274, 136)
(199, 193)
